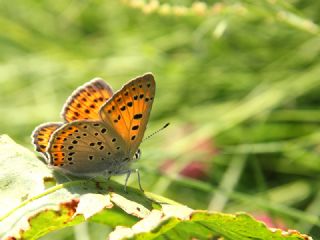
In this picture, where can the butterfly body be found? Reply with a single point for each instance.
(102, 131)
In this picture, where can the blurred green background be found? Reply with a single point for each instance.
(239, 81)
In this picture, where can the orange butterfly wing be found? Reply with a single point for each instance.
(85, 101)
(127, 112)
(86, 147)
(41, 135)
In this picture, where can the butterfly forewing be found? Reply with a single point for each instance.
(127, 112)
(87, 147)
(85, 102)
(42, 134)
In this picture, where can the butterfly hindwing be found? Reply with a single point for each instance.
(86, 147)
(42, 134)
(85, 101)
(127, 112)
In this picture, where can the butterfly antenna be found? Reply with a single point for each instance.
(166, 125)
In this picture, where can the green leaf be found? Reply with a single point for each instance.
(29, 210)
(180, 223)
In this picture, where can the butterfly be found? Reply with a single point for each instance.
(102, 130)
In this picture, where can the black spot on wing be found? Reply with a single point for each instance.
(137, 116)
(135, 127)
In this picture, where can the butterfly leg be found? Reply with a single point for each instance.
(127, 178)
(126, 181)
(138, 173)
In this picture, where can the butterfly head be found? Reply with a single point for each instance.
(137, 155)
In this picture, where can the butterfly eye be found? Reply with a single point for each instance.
(137, 155)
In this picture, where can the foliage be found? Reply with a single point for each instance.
(28, 210)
